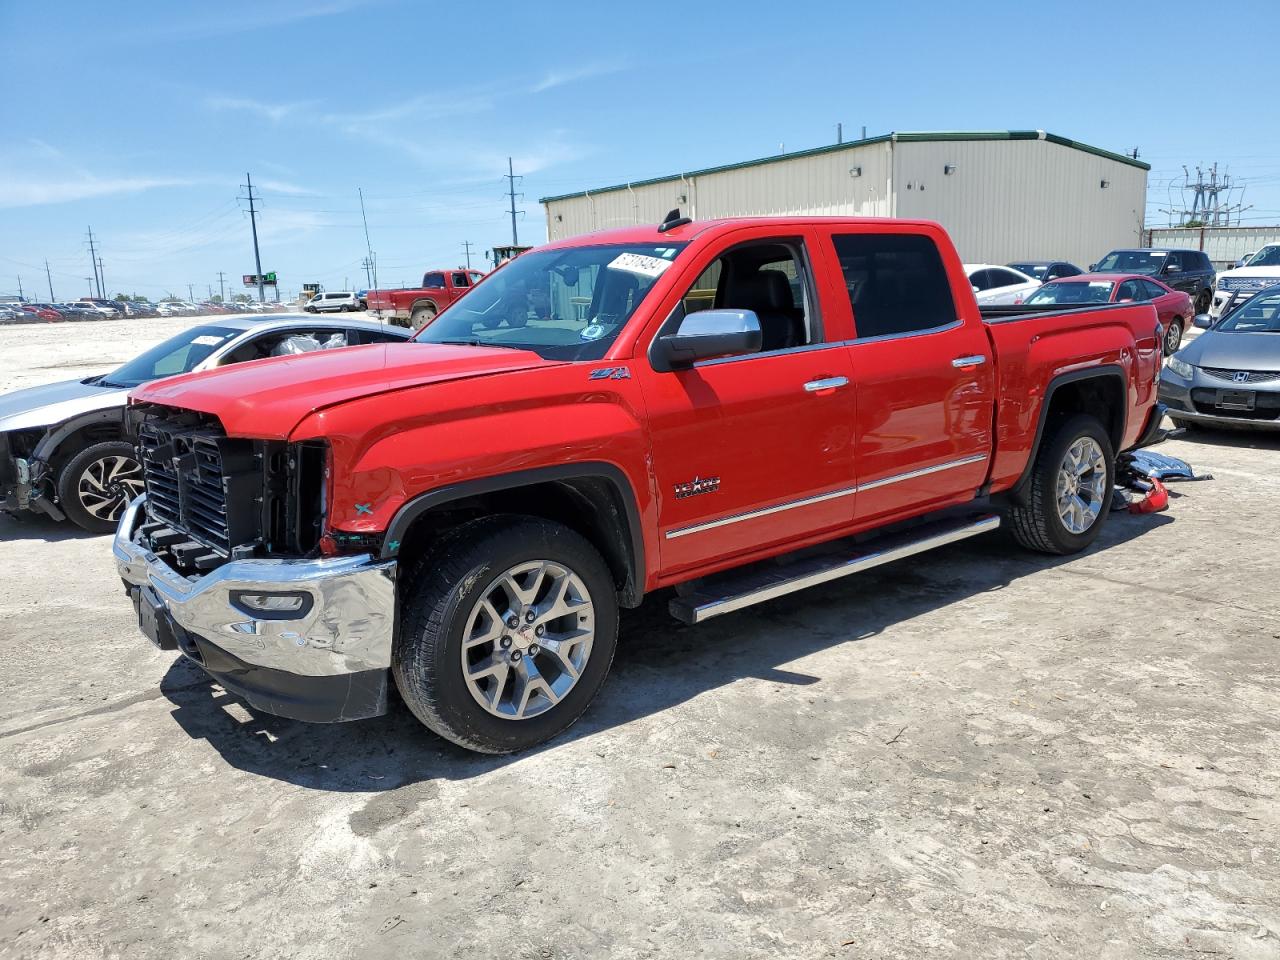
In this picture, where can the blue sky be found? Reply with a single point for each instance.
(145, 117)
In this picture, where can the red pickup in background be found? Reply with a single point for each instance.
(417, 306)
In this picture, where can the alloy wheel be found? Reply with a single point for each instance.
(527, 639)
(1082, 485)
(108, 485)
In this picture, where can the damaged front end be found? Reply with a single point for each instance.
(26, 481)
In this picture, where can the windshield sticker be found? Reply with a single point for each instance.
(593, 331)
(207, 341)
(1100, 283)
(638, 264)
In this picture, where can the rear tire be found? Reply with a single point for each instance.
(98, 483)
(1063, 515)
(1203, 301)
(421, 316)
(1173, 337)
(475, 680)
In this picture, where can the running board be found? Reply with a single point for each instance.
(758, 582)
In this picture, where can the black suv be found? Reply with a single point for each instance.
(1186, 270)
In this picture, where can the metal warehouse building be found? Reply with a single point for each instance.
(1003, 195)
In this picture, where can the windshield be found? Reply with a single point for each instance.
(1095, 291)
(176, 355)
(1036, 270)
(562, 304)
(1258, 314)
(1132, 261)
(1266, 257)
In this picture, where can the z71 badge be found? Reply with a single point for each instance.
(610, 373)
(696, 486)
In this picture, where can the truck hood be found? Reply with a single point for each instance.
(1234, 351)
(53, 403)
(267, 399)
(1251, 272)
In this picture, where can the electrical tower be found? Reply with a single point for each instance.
(1210, 200)
(253, 225)
(511, 192)
(93, 262)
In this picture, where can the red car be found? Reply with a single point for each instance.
(657, 406)
(43, 311)
(1173, 307)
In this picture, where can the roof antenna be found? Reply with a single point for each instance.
(673, 220)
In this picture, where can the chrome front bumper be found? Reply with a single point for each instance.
(346, 629)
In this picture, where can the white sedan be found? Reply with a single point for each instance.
(999, 286)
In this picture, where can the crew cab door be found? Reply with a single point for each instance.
(754, 450)
(923, 371)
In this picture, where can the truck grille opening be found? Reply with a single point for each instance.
(213, 498)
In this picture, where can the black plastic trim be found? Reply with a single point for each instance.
(1017, 491)
(420, 504)
(326, 699)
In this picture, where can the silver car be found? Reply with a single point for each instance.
(62, 446)
(1229, 376)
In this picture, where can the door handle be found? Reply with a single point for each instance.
(826, 383)
(976, 360)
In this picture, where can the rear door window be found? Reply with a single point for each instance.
(1153, 290)
(896, 283)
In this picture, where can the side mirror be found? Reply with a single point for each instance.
(1091, 267)
(1202, 321)
(1171, 268)
(706, 335)
(976, 290)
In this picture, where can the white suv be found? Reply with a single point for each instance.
(333, 302)
(1262, 271)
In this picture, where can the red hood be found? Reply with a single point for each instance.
(266, 399)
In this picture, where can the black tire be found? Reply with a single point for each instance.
(1173, 337)
(99, 514)
(1037, 524)
(422, 315)
(436, 600)
(1203, 301)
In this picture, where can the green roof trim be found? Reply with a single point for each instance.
(919, 137)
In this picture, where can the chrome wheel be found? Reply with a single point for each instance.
(1082, 485)
(527, 639)
(1173, 338)
(108, 485)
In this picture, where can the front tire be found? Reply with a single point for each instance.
(1203, 301)
(1070, 490)
(98, 483)
(507, 631)
(1173, 337)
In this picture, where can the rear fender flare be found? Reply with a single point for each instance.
(1105, 371)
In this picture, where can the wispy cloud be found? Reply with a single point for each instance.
(275, 112)
(234, 18)
(558, 78)
(19, 191)
(285, 187)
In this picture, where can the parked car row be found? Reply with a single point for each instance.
(100, 309)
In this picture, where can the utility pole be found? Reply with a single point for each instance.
(373, 261)
(89, 281)
(20, 295)
(466, 247)
(222, 288)
(48, 276)
(191, 297)
(839, 133)
(93, 262)
(511, 178)
(102, 279)
(367, 263)
(253, 224)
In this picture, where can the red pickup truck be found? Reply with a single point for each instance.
(416, 307)
(734, 409)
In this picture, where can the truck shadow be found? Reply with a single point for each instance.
(37, 526)
(659, 664)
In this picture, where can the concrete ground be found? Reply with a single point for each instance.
(975, 753)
